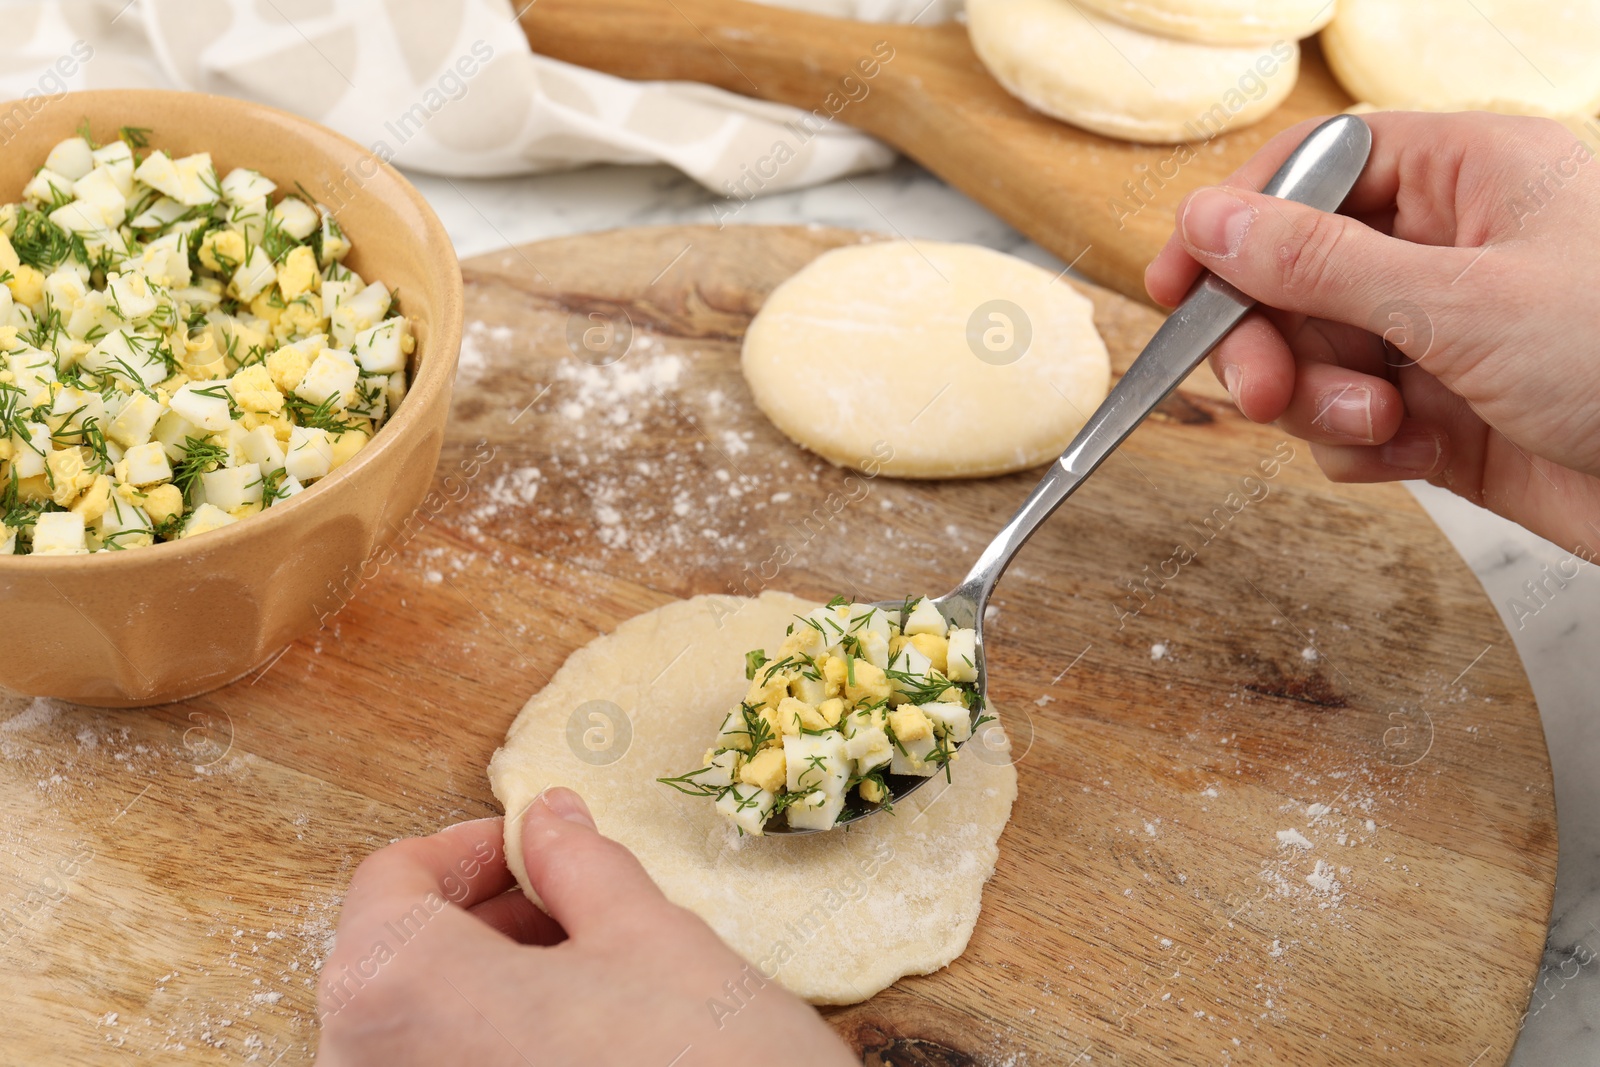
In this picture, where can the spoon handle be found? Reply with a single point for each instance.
(1320, 173)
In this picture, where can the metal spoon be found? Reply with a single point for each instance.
(1320, 173)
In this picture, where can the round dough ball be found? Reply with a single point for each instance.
(1116, 81)
(1219, 21)
(1536, 56)
(836, 916)
(927, 360)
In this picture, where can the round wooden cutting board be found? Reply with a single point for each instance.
(1284, 795)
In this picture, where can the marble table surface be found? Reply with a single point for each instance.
(1563, 1023)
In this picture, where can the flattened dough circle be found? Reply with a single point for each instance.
(1445, 55)
(839, 915)
(874, 350)
(1227, 22)
(1121, 82)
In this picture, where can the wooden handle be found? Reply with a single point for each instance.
(911, 86)
(773, 53)
(1106, 206)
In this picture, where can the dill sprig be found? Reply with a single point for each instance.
(277, 242)
(316, 416)
(200, 456)
(685, 783)
(39, 243)
(272, 487)
(756, 727)
(804, 664)
(10, 405)
(15, 512)
(785, 799)
(89, 436)
(920, 690)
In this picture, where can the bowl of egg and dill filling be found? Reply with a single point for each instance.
(227, 343)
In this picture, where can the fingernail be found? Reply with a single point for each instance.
(568, 805)
(1416, 451)
(1215, 221)
(1349, 413)
(1233, 379)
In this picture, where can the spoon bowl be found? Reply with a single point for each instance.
(959, 608)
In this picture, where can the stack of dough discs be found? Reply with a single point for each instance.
(1532, 56)
(927, 360)
(1229, 22)
(1121, 82)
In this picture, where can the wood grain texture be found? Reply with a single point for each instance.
(170, 879)
(1105, 205)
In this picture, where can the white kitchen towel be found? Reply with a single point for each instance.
(443, 86)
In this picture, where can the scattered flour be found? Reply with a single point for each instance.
(515, 488)
(1322, 880)
(39, 713)
(1293, 837)
(610, 390)
(474, 358)
(608, 484)
(1158, 651)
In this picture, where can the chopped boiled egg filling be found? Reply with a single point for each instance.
(177, 351)
(855, 694)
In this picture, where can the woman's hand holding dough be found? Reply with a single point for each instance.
(440, 958)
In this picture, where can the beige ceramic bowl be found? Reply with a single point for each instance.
(163, 623)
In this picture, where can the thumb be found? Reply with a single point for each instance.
(1295, 258)
(587, 882)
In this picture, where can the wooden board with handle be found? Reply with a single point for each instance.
(1106, 206)
(1291, 805)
